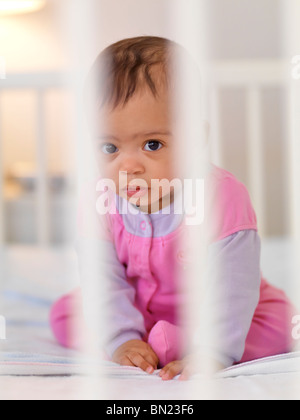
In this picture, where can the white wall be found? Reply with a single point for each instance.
(243, 29)
(236, 29)
(33, 42)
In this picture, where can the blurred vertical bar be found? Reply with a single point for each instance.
(82, 29)
(291, 13)
(189, 18)
(2, 244)
(255, 154)
(294, 116)
(43, 222)
(2, 230)
(1, 240)
(216, 139)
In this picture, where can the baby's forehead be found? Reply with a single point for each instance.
(125, 85)
(142, 98)
(143, 113)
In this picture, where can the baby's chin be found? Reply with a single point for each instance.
(144, 203)
(151, 206)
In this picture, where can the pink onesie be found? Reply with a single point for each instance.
(148, 263)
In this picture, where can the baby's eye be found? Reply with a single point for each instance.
(153, 145)
(108, 149)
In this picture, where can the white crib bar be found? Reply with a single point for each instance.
(251, 76)
(255, 154)
(292, 16)
(42, 180)
(2, 231)
(38, 83)
(294, 160)
(216, 140)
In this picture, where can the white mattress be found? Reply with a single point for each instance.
(33, 366)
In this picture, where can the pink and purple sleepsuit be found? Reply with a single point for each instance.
(144, 258)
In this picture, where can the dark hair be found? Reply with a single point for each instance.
(127, 66)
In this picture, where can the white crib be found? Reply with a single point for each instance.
(251, 76)
(38, 202)
(37, 275)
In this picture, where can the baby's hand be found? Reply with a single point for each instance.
(136, 353)
(189, 366)
(176, 368)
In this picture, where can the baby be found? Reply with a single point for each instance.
(142, 233)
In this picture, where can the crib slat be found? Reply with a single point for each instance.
(38, 82)
(2, 230)
(255, 154)
(216, 145)
(42, 184)
(294, 181)
(294, 159)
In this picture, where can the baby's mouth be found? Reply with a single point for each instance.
(130, 189)
(136, 191)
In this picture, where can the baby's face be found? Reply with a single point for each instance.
(136, 145)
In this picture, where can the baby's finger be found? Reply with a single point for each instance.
(149, 354)
(125, 361)
(171, 370)
(186, 374)
(140, 362)
(151, 359)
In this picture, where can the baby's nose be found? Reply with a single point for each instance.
(132, 166)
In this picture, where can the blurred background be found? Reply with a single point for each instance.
(248, 44)
(251, 98)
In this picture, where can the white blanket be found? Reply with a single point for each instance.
(60, 379)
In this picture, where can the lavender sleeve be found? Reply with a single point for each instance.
(232, 291)
(115, 298)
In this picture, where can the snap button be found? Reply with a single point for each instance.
(184, 257)
(181, 256)
(143, 225)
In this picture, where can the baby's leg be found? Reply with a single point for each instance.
(166, 341)
(67, 321)
(271, 330)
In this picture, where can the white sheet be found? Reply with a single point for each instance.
(68, 382)
(33, 366)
